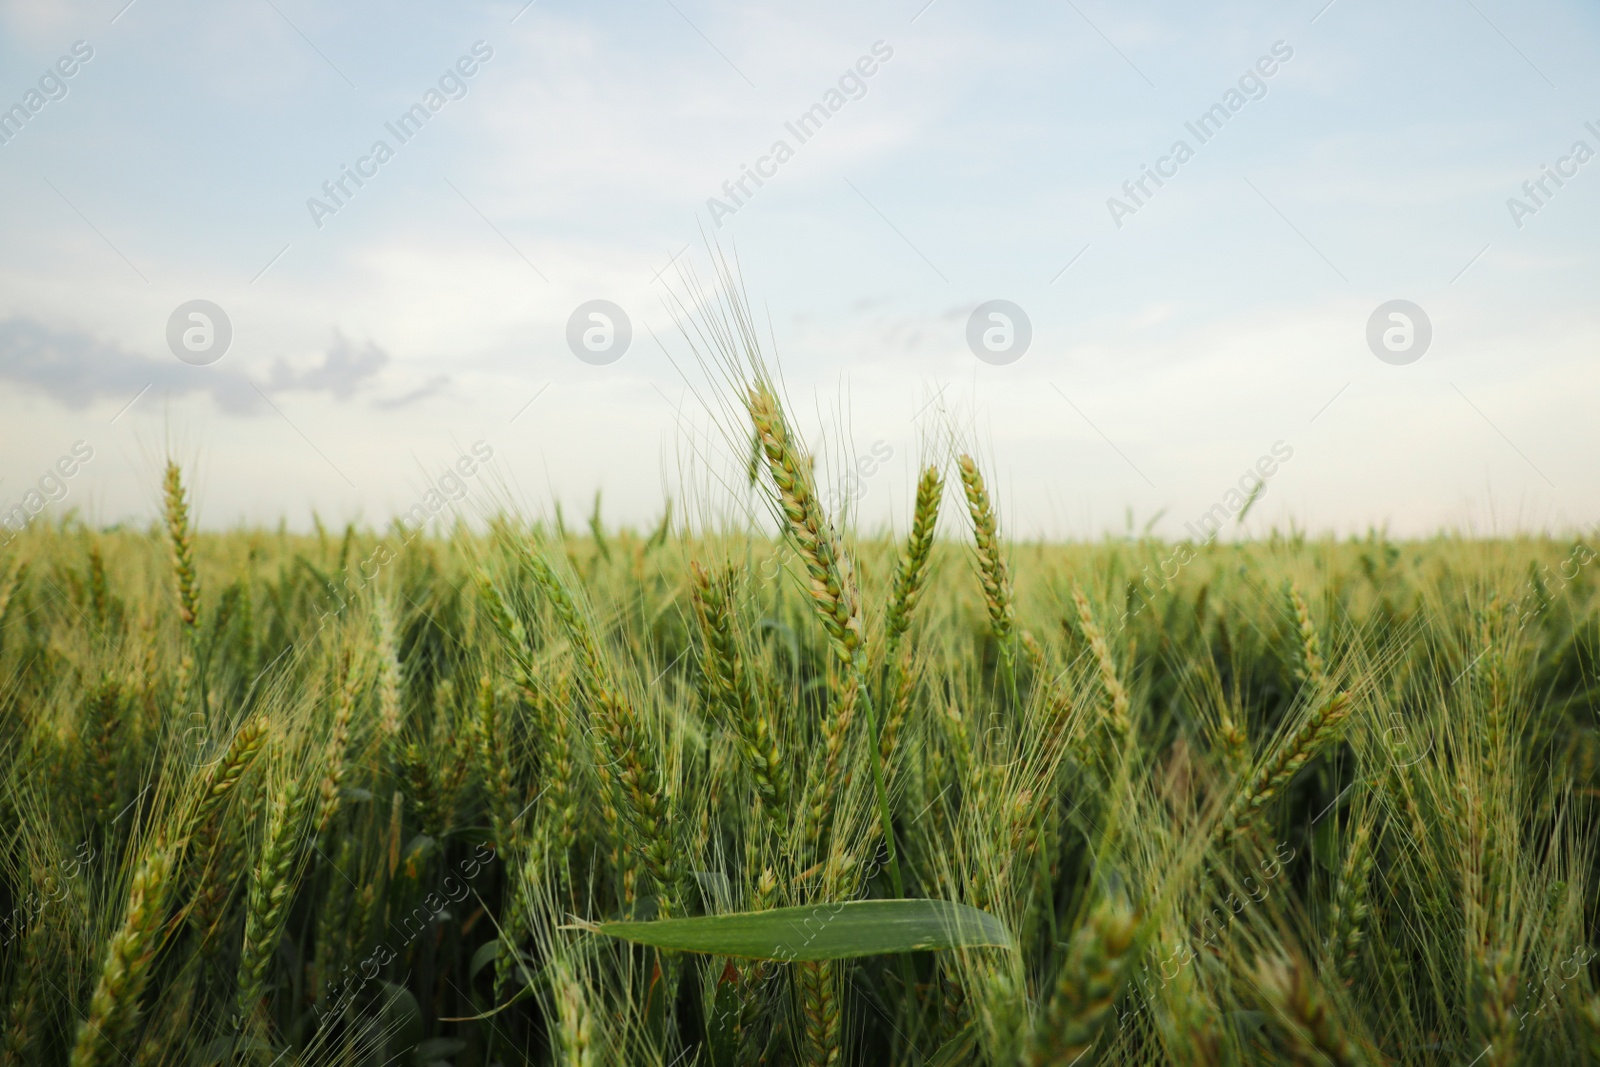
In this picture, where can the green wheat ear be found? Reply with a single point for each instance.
(730, 679)
(125, 970)
(911, 568)
(1304, 1020)
(992, 569)
(1089, 980)
(272, 884)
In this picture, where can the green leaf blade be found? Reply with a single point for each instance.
(823, 931)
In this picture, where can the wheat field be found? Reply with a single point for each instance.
(794, 794)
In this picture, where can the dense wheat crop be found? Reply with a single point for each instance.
(518, 796)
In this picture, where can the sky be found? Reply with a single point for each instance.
(1220, 328)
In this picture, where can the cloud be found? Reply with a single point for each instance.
(77, 370)
(431, 387)
(341, 373)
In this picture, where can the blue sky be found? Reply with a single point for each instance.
(1226, 315)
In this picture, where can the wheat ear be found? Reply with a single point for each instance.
(986, 541)
(910, 575)
(1350, 907)
(576, 1018)
(242, 751)
(17, 572)
(1298, 749)
(17, 1036)
(389, 680)
(1312, 671)
(730, 680)
(626, 759)
(114, 1006)
(819, 1004)
(834, 595)
(1304, 1019)
(338, 751)
(494, 766)
(911, 568)
(1589, 1025)
(181, 539)
(271, 889)
(1492, 985)
(104, 739)
(1116, 692)
(824, 793)
(819, 982)
(1091, 977)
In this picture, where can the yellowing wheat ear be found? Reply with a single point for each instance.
(181, 539)
(1303, 1018)
(1116, 692)
(833, 592)
(186, 581)
(834, 598)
